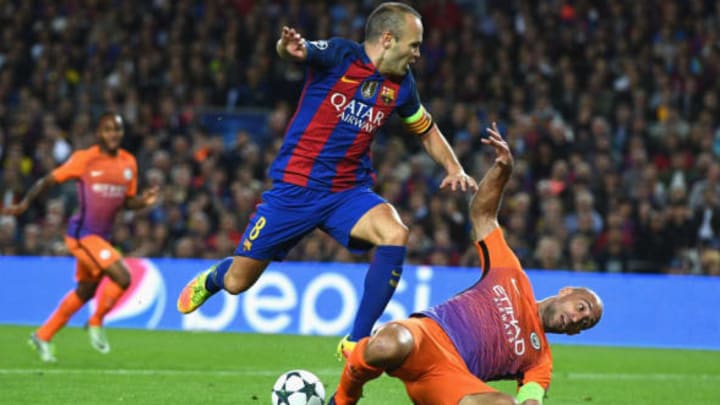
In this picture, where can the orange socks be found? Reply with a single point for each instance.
(68, 306)
(107, 298)
(355, 374)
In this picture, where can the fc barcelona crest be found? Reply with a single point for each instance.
(387, 95)
(369, 88)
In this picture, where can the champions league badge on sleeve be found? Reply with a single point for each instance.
(320, 45)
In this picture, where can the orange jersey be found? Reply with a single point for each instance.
(103, 183)
(495, 325)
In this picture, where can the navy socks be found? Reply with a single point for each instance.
(380, 282)
(216, 279)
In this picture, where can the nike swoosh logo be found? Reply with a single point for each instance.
(95, 173)
(344, 79)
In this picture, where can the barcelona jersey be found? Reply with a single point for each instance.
(103, 184)
(495, 324)
(344, 102)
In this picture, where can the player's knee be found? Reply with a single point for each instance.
(236, 285)
(396, 235)
(243, 273)
(119, 274)
(86, 290)
(490, 398)
(389, 347)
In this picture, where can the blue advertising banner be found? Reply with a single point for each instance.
(321, 299)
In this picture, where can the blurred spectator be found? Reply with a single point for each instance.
(612, 111)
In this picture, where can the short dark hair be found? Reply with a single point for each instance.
(388, 17)
(107, 114)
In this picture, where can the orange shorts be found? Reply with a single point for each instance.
(94, 254)
(434, 373)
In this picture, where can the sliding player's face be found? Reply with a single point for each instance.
(404, 49)
(111, 132)
(572, 311)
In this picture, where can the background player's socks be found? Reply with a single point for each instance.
(355, 374)
(70, 304)
(380, 282)
(107, 298)
(215, 281)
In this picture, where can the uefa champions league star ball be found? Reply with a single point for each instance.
(298, 387)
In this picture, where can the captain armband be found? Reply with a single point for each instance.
(531, 390)
(419, 123)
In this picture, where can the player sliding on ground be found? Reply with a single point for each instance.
(493, 330)
(323, 174)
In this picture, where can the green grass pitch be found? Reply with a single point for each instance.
(161, 367)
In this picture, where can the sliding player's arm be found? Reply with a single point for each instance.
(531, 394)
(486, 201)
(536, 381)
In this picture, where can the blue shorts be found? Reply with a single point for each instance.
(289, 212)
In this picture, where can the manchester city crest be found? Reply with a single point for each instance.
(535, 341)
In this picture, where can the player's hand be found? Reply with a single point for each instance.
(15, 209)
(292, 44)
(150, 196)
(459, 181)
(502, 150)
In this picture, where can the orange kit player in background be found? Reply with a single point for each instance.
(492, 330)
(107, 182)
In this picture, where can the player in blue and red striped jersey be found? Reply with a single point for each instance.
(323, 175)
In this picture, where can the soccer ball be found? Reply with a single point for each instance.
(298, 387)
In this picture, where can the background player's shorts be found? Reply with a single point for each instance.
(289, 212)
(434, 373)
(93, 254)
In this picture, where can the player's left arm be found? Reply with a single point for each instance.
(147, 198)
(439, 149)
(536, 381)
(418, 121)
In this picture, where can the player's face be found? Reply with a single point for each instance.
(404, 49)
(572, 311)
(111, 132)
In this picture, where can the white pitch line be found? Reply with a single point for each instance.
(327, 372)
(131, 372)
(644, 376)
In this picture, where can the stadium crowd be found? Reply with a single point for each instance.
(611, 109)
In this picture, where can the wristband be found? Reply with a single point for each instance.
(531, 390)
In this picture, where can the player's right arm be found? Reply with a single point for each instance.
(291, 45)
(486, 201)
(72, 168)
(39, 187)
